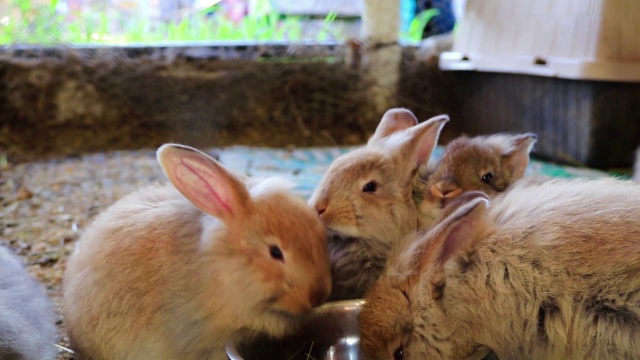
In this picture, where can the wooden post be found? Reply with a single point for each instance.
(380, 51)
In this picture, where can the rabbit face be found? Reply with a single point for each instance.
(367, 196)
(386, 320)
(367, 193)
(287, 245)
(486, 163)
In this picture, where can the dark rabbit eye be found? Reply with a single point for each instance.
(406, 295)
(398, 354)
(276, 253)
(487, 178)
(369, 187)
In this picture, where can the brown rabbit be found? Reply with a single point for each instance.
(484, 163)
(174, 273)
(364, 199)
(548, 271)
(387, 318)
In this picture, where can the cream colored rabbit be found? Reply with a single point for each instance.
(548, 271)
(485, 163)
(27, 326)
(174, 273)
(364, 198)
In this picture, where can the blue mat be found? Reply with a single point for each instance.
(306, 166)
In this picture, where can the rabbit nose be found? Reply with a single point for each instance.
(444, 190)
(321, 207)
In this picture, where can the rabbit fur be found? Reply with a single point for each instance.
(177, 271)
(547, 271)
(489, 163)
(27, 326)
(363, 224)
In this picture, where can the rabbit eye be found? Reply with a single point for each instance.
(438, 291)
(399, 353)
(369, 187)
(406, 295)
(276, 253)
(487, 178)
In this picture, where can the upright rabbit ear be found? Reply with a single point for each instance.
(393, 121)
(203, 181)
(414, 146)
(515, 156)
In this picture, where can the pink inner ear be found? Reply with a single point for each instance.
(426, 145)
(454, 242)
(203, 186)
(428, 140)
(424, 152)
(463, 225)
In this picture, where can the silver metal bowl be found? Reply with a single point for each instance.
(331, 333)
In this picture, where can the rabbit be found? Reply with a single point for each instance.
(27, 325)
(549, 270)
(364, 199)
(175, 272)
(386, 316)
(485, 163)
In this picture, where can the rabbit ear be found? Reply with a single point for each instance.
(454, 235)
(393, 121)
(414, 146)
(203, 181)
(515, 157)
(457, 231)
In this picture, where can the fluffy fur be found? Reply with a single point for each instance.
(548, 271)
(464, 163)
(167, 274)
(27, 327)
(364, 224)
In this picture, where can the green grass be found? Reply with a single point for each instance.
(29, 23)
(42, 24)
(417, 25)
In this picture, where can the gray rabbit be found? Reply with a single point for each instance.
(27, 328)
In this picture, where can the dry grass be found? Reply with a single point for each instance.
(77, 104)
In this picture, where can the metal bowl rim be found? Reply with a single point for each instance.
(231, 348)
